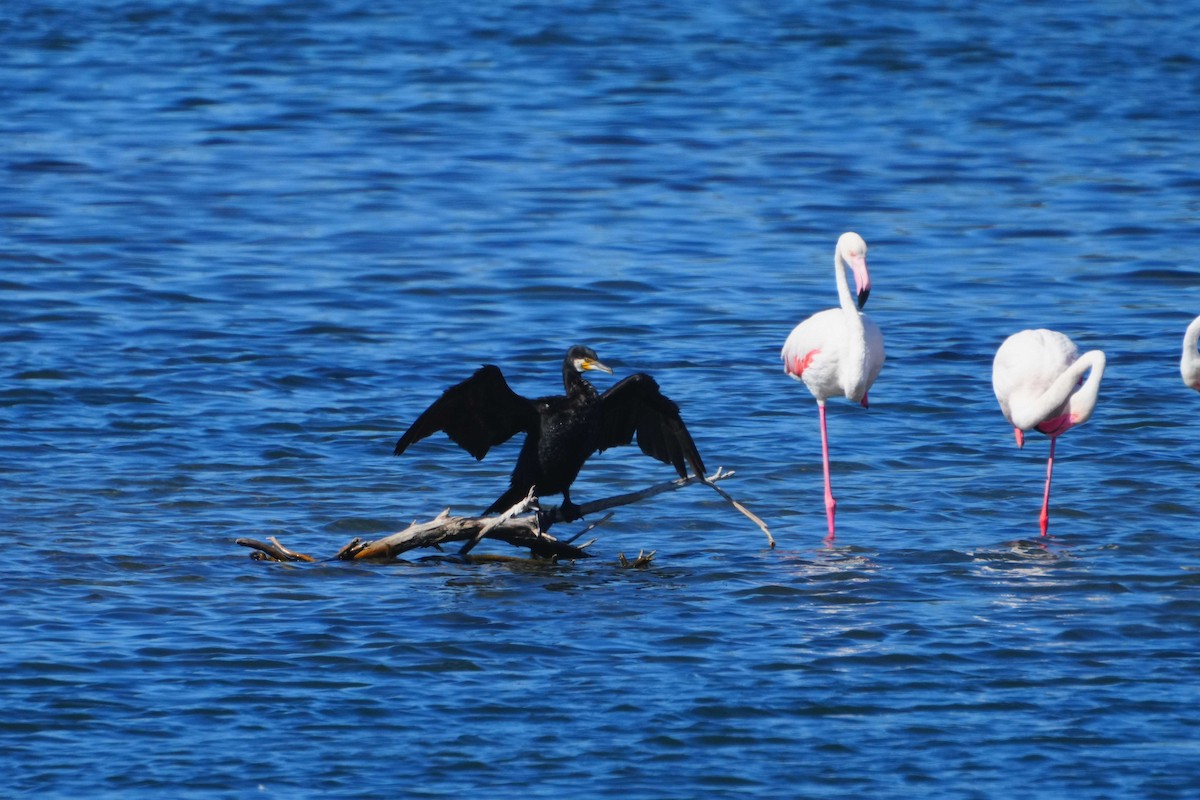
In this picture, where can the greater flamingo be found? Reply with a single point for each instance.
(1038, 378)
(1189, 367)
(837, 352)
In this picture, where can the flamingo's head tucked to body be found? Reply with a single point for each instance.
(853, 251)
(1040, 382)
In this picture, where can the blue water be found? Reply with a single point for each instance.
(243, 245)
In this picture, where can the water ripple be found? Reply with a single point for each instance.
(244, 247)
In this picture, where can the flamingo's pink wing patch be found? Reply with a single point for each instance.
(798, 364)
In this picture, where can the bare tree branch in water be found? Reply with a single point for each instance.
(522, 526)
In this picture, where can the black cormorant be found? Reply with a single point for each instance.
(561, 432)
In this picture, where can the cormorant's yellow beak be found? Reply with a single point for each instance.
(586, 364)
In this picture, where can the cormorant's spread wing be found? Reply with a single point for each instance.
(477, 414)
(635, 405)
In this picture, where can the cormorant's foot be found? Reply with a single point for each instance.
(570, 511)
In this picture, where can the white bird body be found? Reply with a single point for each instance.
(844, 352)
(1038, 378)
(837, 352)
(1189, 365)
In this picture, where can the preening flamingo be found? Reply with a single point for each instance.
(1189, 367)
(1038, 378)
(837, 352)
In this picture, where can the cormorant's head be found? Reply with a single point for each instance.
(582, 358)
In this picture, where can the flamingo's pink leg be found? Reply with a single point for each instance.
(1044, 519)
(830, 503)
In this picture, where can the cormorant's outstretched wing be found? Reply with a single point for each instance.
(635, 405)
(477, 414)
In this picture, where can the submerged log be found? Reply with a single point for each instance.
(643, 560)
(273, 551)
(523, 525)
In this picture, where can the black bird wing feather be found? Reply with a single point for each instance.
(477, 414)
(636, 405)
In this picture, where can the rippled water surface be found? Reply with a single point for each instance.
(243, 245)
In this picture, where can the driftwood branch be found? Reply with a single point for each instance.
(530, 502)
(510, 527)
(762, 526)
(515, 526)
(521, 526)
(553, 514)
(272, 551)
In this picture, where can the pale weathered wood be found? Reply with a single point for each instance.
(510, 527)
(528, 503)
(762, 526)
(516, 526)
(553, 514)
(520, 532)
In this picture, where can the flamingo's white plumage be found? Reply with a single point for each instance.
(1038, 377)
(1189, 366)
(838, 352)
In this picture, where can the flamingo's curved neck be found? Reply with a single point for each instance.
(852, 366)
(845, 297)
(1083, 402)
(1066, 403)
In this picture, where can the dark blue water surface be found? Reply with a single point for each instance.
(243, 245)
